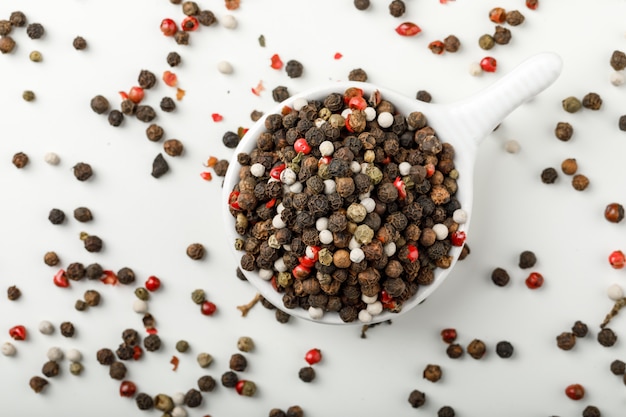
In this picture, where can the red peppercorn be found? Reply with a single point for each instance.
(325, 160)
(306, 262)
(206, 175)
(190, 23)
(358, 103)
(350, 93)
(300, 271)
(301, 145)
(575, 391)
(532, 4)
(168, 27)
(385, 297)
(488, 64)
(437, 47)
(137, 352)
(153, 283)
(458, 238)
(313, 356)
(18, 332)
(408, 29)
(413, 254)
(448, 335)
(430, 170)
(534, 280)
(127, 389)
(401, 187)
(217, 117)
(617, 259)
(208, 308)
(277, 63)
(136, 94)
(169, 78)
(60, 279)
(275, 172)
(497, 15)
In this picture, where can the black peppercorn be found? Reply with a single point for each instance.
(131, 337)
(82, 171)
(146, 79)
(417, 398)
(17, 19)
(238, 362)
(504, 349)
(67, 329)
(454, 351)
(181, 37)
(230, 139)
(159, 166)
(527, 259)
(117, 371)
(167, 104)
(397, 8)
(591, 411)
(281, 316)
(579, 329)
(618, 367)
(229, 379)
(502, 35)
(193, 398)
(35, 30)
(13, 293)
(152, 342)
(621, 123)
(92, 298)
(94, 271)
(306, 374)
(173, 59)
(423, 95)
(115, 118)
(566, 341)
(37, 384)
(126, 276)
(79, 43)
(295, 411)
(357, 74)
(75, 271)
(549, 175)
(145, 113)
(195, 251)
(50, 369)
(446, 411)
(293, 68)
(280, 94)
(451, 43)
(206, 383)
(607, 337)
(93, 243)
(80, 305)
(592, 101)
(99, 104)
(500, 277)
(514, 18)
(56, 216)
(277, 412)
(144, 401)
(206, 18)
(361, 4)
(125, 352)
(105, 356)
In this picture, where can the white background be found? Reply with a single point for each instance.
(146, 224)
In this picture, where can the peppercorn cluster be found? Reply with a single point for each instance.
(340, 209)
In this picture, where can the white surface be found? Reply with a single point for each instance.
(146, 224)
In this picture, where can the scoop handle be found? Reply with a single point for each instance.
(477, 116)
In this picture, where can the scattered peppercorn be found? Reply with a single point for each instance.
(126, 275)
(173, 147)
(397, 8)
(580, 182)
(230, 139)
(432, 373)
(502, 35)
(423, 95)
(361, 4)
(607, 337)
(82, 171)
(159, 166)
(115, 118)
(618, 367)
(145, 113)
(621, 123)
(35, 56)
(38, 383)
(92, 298)
(105, 356)
(75, 271)
(17, 19)
(280, 94)
(13, 293)
(527, 259)
(152, 342)
(83, 214)
(514, 18)
(167, 104)
(7, 44)
(93, 243)
(504, 349)
(198, 296)
(446, 411)
(238, 362)
(229, 379)
(454, 351)
(451, 43)
(79, 43)
(417, 398)
(476, 349)
(35, 30)
(486, 42)
(144, 401)
(204, 359)
(614, 212)
(182, 346)
(592, 101)
(571, 104)
(146, 79)
(206, 383)
(591, 411)
(56, 216)
(245, 344)
(580, 329)
(28, 95)
(500, 277)
(154, 132)
(80, 305)
(99, 104)
(569, 166)
(50, 369)
(306, 374)
(173, 59)
(163, 403)
(76, 368)
(51, 258)
(618, 60)
(67, 329)
(566, 340)
(94, 271)
(357, 74)
(195, 251)
(295, 411)
(193, 398)
(20, 160)
(549, 175)
(117, 371)
(564, 131)
(294, 68)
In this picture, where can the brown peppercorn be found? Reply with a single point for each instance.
(181, 37)
(357, 74)
(115, 118)
(502, 35)
(83, 214)
(417, 398)
(206, 18)
(221, 167)
(152, 342)
(190, 8)
(173, 147)
(145, 113)
(51, 258)
(580, 329)
(37, 384)
(94, 271)
(564, 131)
(580, 182)
(281, 316)
(229, 379)
(154, 132)
(193, 398)
(206, 383)
(99, 104)
(146, 79)
(569, 166)
(126, 275)
(50, 369)
(614, 212)
(295, 411)
(618, 367)
(306, 374)
(571, 104)
(476, 349)
(17, 19)
(451, 43)
(75, 271)
(82, 171)
(173, 59)
(277, 412)
(80, 305)
(592, 101)
(500, 277)
(621, 123)
(105, 356)
(13, 293)
(238, 362)
(167, 104)
(20, 160)
(423, 95)
(131, 337)
(397, 8)
(7, 44)
(361, 4)
(566, 340)
(128, 107)
(432, 373)
(549, 175)
(607, 337)
(280, 94)
(67, 329)
(56, 216)
(117, 371)
(514, 18)
(92, 298)
(196, 251)
(93, 243)
(79, 43)
(618, 60)
(35, 30)
(591, 411)
(144, 401)
(527, 259)
(293, 68)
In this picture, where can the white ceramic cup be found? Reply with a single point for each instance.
(463, 124)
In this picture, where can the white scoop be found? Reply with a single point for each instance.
(463, 124)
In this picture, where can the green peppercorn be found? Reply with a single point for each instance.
(198, 296)
(35, 56)
(245, 344)
(76, 368)
(28, 95)
(142, 293)
(182, 346)
(486, 42)
(571, 104)
(163, 403)
(204, 359)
